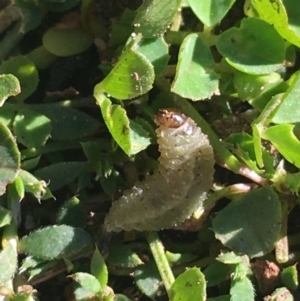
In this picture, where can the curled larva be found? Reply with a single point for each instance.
(177, 188)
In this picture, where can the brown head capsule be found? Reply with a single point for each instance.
(170, 118)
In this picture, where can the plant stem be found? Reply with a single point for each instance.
(281, 246)
(226, 192)
(200, 263)
(160, 258)
(49, 148)
(10, 40)
(175, 37)
(208, 38)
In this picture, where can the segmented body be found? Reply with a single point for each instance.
(177, 188)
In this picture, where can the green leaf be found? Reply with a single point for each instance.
(60, 174)
(230, 258)
(285, 141)
(7, 113)
(72, 213)
(195, 78)
(242, 144)
(31, 15)
(292, 181)
(242, 287)
(9, 263)
(280, 293)
(9, 86)
(99, 268)
(190, 285)
(24, 70)
(282, 15)
(263, 49)
(66, 41)
(147, 278)
(272, 90)
(15, 194)
(87, 281)
(122, 256)
(5, 217)
(293, 11)
(179, 258)
(30, 164)
(131, 137)
(31, 128)
(84, 180)
(272, 12)
(119, 297)
(156, 51)
(289, 278)
(32, 184)
(42, 58)
(96, 153)
(216, 273)
(250, 86)
(30, 262)
(35, 266)
(289, 110)
(154, 16)
(220, 298)
(109, 183)
(9, 158)
(121, 29)
(133, 75)
(55, 242)
(24, 296)
(68, 123)
(210, 12)
(251, 224)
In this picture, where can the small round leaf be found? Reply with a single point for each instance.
(154, 16)
(31, 128)
(190, 285)
(252, 224)
(255, 48)
(131, 137)
(132, 76)
(211, 12)
(24, 70)
(195, 78)
(66, 41)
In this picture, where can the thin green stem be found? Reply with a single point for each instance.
(9, 241)
(175, 37)
(74, 103)
(49, 148)
(226, 192)
(282, 246)
(265, 117)
(200, 263)
(207, 36)
(177, 21)
(160, 258)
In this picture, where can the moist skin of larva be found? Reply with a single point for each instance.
(177, 188)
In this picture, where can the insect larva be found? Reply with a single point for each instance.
(177, 188)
